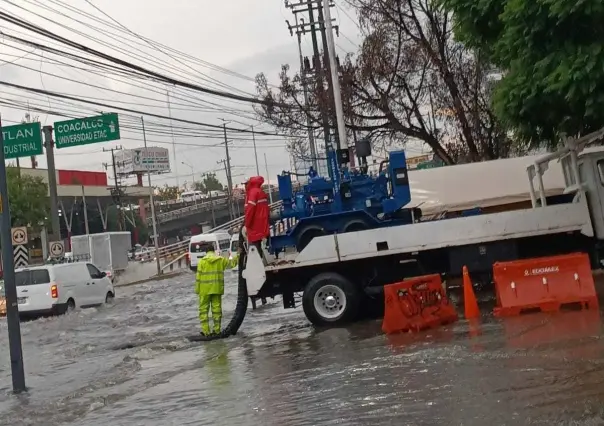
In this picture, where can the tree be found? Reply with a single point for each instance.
(167, 192)
(552, 57)
(211, 183)
(199, 186)
(28, 199)
(409, 80)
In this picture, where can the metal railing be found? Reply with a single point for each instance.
(192, 209)
(187, 211)
(176, 249)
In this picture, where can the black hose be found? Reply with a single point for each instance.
(240, 308)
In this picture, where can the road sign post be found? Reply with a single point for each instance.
(20, 252)
(56, 248)
(10, 288)
(19, 235)
(22, 140)
(85, 131)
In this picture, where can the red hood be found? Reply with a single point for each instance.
(254, 182)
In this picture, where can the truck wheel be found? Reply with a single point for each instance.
(355, 225)
(330, 299)
(306, 236)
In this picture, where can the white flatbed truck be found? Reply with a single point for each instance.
(341, 274)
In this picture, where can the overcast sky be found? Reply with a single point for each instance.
(242, 36)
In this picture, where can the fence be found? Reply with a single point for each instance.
(173, 251)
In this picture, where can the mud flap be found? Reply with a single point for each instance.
(254, 272)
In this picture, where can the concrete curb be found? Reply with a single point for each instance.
(152, 279)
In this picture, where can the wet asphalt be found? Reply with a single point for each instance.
(130, 363)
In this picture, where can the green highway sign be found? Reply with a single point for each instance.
(22, 140)
(84, 131)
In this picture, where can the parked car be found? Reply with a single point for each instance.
(60, 288)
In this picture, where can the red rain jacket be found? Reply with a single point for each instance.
(257, 211)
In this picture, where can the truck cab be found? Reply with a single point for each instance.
(591, 175)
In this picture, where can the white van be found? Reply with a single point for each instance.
(56, 289)
(192, 196)
(200, 244)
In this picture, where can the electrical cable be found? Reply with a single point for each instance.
(182, 120)
(142, 70)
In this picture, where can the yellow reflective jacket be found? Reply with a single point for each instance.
(210, 273)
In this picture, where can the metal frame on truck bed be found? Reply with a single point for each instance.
(343, 274)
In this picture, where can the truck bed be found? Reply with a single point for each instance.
(554, 219)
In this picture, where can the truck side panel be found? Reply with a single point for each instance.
(441, 234)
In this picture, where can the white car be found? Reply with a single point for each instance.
(57, 289)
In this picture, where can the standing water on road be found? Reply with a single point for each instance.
(130, 364)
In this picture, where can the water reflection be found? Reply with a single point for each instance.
(542, 369)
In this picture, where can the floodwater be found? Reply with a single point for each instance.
(129, 364)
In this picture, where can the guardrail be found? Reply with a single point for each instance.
(176, 249)
(186, 211)
(191, 209)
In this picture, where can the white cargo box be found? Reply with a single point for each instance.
(108, 250)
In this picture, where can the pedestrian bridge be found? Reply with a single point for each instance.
(214, 211)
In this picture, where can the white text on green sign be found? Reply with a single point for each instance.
(22, 140)
(84, 131)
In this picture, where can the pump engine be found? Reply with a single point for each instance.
(350, 200)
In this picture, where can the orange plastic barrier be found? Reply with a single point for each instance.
(416, 304)
(544, 283)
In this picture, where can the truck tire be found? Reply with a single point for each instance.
(330, 299)
(355, 225)
(307, 234)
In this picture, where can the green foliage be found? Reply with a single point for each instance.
(166, 192)
(552, 55)
(211, 183)
(199, 186)
(28, 199)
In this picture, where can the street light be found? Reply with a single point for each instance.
(192, 178)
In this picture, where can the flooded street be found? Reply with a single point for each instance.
(130, 364)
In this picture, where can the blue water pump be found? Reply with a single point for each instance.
(352, 200)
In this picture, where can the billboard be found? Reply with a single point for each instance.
(142, 160)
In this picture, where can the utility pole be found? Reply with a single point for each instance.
(173, 142)
(229, 201)
(320, 69)
(153, 218)
(52, 184)
(85, 212)
(211, 199)
(117, 197)
(255, 152)
(311, 133)
(330, 51)
(228, 171)
(10, 287)
(268, 178)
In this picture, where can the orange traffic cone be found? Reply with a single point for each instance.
(469, 298)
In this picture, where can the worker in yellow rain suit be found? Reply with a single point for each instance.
(209, 285)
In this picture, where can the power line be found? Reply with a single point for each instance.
(106, 34)
(114, 107)
(153, 45)
(115, 78)
(191, 58)
(39, 30)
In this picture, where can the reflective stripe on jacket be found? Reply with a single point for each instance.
(210, 273)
